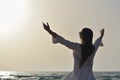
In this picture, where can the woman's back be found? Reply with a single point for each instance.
(84, 72)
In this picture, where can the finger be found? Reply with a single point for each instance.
(47, 24)
(44, 24)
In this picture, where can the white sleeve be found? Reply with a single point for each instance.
(69, 44)
(98, 43)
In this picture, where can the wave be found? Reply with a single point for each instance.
(54, 76)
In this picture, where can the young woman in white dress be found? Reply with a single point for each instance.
(83, 52)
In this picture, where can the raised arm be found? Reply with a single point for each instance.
(98, 42)
(59, 39)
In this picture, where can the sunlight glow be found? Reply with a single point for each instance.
(12, 13)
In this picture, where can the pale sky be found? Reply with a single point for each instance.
(25, 46)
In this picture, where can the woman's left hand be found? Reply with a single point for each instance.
(46, 26)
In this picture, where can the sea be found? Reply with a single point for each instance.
(12, 75)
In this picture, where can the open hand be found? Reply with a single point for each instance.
(46, 26)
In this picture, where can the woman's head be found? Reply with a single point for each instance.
(86, 36)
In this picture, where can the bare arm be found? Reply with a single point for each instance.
(47, 28)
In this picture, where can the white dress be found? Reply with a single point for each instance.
(84, 72)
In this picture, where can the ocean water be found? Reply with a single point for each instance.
(5, 75)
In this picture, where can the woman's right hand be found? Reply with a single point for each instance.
(46, 26)
(102, 32)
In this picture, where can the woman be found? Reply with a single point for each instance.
(83, 53)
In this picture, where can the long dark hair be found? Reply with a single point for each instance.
(87, 47)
